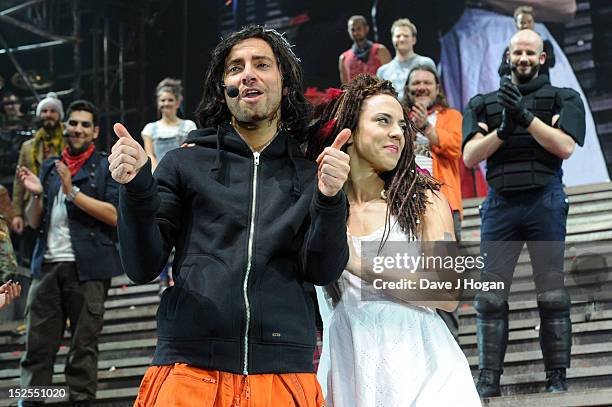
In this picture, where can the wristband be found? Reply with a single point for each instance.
(73, 193)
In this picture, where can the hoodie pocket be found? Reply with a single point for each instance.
(286, 311)
(201, 302)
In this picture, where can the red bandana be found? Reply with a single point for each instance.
(75, 163)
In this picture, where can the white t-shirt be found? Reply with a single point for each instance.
(165, 137)
(59, 246)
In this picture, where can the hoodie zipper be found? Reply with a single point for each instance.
(245, 367)
(245, 283)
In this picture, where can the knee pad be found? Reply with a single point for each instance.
(490, 305)
(553, 302)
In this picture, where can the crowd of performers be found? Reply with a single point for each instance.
(270, 198)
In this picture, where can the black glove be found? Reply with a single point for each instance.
(506, 127)
(511, 99)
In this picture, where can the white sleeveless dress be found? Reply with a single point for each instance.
(387, 353)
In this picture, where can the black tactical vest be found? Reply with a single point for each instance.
(521, 162)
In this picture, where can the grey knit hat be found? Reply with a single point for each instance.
(51, 101)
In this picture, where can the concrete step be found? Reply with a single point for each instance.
(571, 398)
(588, 355)
(103, 347)
(132, 373)
(514, 306)
(521, 337)
(577, 377)
(599, 350)
(587, 190)
(577, 211)
(107, 364)
(131, 290)
(467, 325)
(588, 226)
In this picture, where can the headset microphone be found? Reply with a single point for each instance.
(231, 90)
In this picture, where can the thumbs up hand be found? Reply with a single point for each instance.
(127, 156)
(334, 165)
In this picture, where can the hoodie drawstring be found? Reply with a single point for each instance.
(296, 189)
(217, 169)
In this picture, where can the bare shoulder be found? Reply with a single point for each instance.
(383, 54)
(438, 218)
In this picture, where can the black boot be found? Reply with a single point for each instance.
(555, 380)
(555, 337)
(492, 333)
(488, 383)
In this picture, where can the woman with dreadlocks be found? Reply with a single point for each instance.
(386, 352)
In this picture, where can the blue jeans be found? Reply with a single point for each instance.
(537, 217)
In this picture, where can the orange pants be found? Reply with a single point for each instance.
(181, 385)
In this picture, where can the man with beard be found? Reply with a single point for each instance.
(438, 142)
(48, 141)
(254, 223)
(73, 204)
(364, 56)
(524, 17)
(437, 146)
(524, 131)
(404, 37)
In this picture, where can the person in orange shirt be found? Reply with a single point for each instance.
(438, 146)
(438, 142)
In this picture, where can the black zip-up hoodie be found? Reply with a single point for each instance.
(252, 235)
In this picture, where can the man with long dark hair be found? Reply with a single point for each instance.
(255, 225)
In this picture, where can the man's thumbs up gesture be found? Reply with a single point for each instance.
(334, 165)
(127, 156)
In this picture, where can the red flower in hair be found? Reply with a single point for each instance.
(333, 93)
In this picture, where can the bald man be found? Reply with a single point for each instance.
(524, 131)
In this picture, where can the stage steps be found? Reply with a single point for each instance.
(588, 260)
(126, 346)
